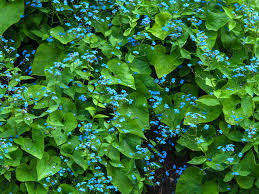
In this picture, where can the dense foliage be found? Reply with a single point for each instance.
(95, 94)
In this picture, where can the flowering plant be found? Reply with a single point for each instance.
(96, 96)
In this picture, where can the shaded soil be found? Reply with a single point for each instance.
(168, 183)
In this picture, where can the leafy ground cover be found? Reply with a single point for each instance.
(136, 96)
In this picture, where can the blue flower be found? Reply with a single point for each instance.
(206, 126)
(200, 141)
(145, 21)
(59, 189)
(230, 160)
(235, 173)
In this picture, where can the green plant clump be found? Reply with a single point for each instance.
(96, 96)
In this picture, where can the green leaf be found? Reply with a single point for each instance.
(33, 188)
(256, 99)
(212, 37)
(67, 150)
(185, 54)
(59, 136)
(127, 145)
(113, 153)
(70, 122)
(257, 48)
(190, 89)
(120, 180)
(209, 100)
(210, 187)
(35, 146)
(139, 113)
(140, 66)
(228, 39)
(245, 182)
(228, 177)
(203, 114)
(189, 139)
(34, 92)
(161, 20)
(43, 103)
(228, 11)
(230, 108)
(247, 164)
(16, 157)
(8, 176)
(26, 172)
(46, 55)
(55, 119)
(214, 21)
(182, 39)
(46, 165)
(132, 127)
(10, 13)
(78, 157)
(257, 183)
(200, 78)
(190, 182)
(66, 188)
(101, 116)
(90, 108)
(60, 34)
(68, 105)
(198, 160)
(164, 64)
(119, 73)
(232, 25)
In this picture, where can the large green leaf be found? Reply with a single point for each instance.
(161, 20)
(210, 187)
(140, 66)
(59, 136)
(78, 157)
(127, 145)
(46, 55)
(233, 113)
(212, 36)
(245, 182)
(246, 165)
(68, 105)
(46, 165)
(15, 158)
(119, 72)
(164, 64)
(214, 21)
(67, 188)
(203, 78)
(119, 179)
(138, 110)
(33, 188)
(190, 182)
(70, 122)
(34, 146)
(209, 100)
(10, 13)
(132, 127)
(190, 138)
(257, 48)
(198, 160)
(60, 34)
(55, 119)
(202, 113)
(26, 172)
(34, 92)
